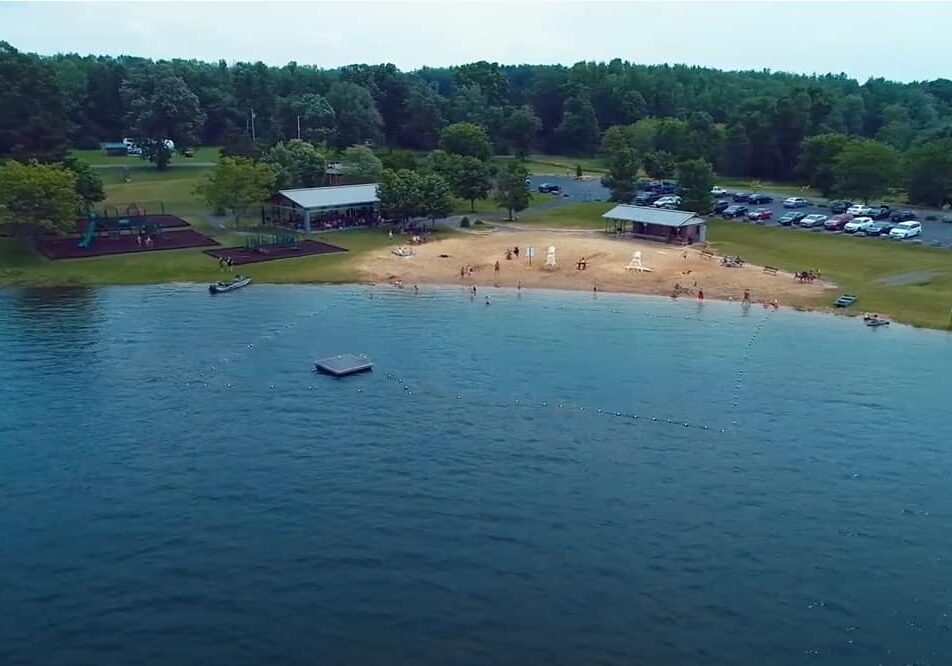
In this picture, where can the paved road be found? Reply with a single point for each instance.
(592, 190)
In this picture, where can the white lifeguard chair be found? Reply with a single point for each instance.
(635, 263)
(550, 264)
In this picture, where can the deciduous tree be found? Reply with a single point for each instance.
(297, 164)
(521, 128)
(362, 163)
(817, 156)
(470, 180)
(659, 164)
(930, 174)
(622, 179)
(466, 139)
(696, 178)
(578, 130)
(512, 193)
(357, 119)
(866, 169)
(38, 196)
(89, 185)
(161, 107)
(236, 184)
(436, 199)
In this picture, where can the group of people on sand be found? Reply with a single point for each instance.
(466, 271)
(512, 252)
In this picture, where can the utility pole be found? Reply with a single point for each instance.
(299, 127)
(253, 139)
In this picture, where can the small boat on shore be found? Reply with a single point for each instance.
(237, 282)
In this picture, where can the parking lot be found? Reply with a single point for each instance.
(934, 232)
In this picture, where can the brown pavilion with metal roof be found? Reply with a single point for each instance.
(661, 224)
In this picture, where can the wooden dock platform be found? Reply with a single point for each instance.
(343, 365)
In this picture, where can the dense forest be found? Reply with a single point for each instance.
(764, 125)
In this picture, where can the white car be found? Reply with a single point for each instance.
(905, 230)
(719, 191)
(667, 202)
(795, 202)
(859, 210)
(858, 224)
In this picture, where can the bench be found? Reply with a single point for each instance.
(707, 254)
(770, 269)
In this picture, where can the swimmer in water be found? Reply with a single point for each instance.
(487, 300)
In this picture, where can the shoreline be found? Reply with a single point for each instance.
(463, 288)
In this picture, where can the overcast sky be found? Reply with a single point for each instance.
(896, 40)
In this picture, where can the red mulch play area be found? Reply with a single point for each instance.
(240, 255)
(68, 248)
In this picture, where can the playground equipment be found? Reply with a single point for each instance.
(260, 242)
(550, 264)
(635, 263)
(87, 239)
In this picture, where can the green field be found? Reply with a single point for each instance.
(582, 215)
(97, 158)
(561, 165)
(911, 283)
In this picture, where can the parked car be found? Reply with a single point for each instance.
(837, 222)
(881, 228)
(760, 199)
(789, 219)
(662, 186)
(858, 224)
(741, 197)
(731, 212)
(841, 206)
(550, 188)
(859, 210)
(759, 215)
(880, 212)
(905, 230)
(811, 221)
(903, 216)
(667, 202)
(646, 198)
(719, 191)
(795, 202)
(721, 206)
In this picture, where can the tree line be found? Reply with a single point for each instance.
(752, 124)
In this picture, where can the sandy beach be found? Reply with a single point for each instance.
(608, 259)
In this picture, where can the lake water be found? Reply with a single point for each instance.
(553, 478)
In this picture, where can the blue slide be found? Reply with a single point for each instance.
(90, 232)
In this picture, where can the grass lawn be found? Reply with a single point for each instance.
(583, 215)
(749, 185)
(173, 187)
(560, 164)
(864, 267)
(97, 158)
(21, 265)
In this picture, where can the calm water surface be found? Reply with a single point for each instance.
(553, 478)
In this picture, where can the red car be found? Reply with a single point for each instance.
(837, 222)
(759, 215)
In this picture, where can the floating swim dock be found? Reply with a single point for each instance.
(344, 364)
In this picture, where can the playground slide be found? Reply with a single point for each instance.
(88, 237)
